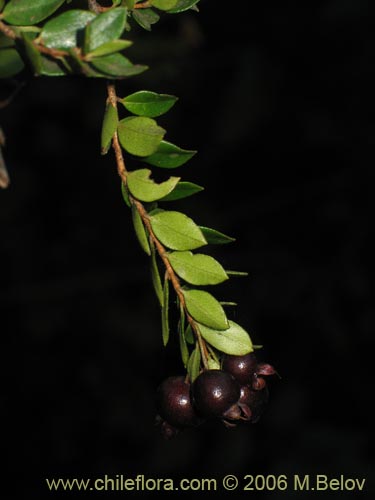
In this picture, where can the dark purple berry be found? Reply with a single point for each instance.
(241, 367)
(174, 403)
(214, 392)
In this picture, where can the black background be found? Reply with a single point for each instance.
(278, 99)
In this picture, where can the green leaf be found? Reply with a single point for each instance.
(64, 31)
(109, 48)
(140, 136)
(145, 189)
(189, 335)
(105, 28)
(6, 42)
(145, 18)
(182, 5)
(194, 363)
(10, 63)
(125, 194)
(155, 275)
(205, 309)
(109, 127)
(237, 273)
(165, 312)
(130, 4)
(54, 67)
(83, 68)
(34, 57)
(183, 190)
(183, 349)
(28, 12)
(164, 4)
(146, 103)
(214, 237)
(2, 2)
(183, 345)
(213, 364)
(177, 231)
(235, 340)
(117, 66)
(197, 269)
(140, 230)
(169, 156)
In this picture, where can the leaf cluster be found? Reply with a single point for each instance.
(35, 35)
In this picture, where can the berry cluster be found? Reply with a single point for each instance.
(236, 393)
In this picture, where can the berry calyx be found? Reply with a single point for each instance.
(241, 367)
(174, 403)
(214, 392)
(253, 402)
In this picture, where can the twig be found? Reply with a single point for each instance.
(8, 32)
(143, 5)
(95, 7)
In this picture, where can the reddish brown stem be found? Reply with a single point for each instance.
(10, 33)
(143, 5)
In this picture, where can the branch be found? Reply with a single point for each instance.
(123, 173)
(143, 5)
(10, 33)
(95, 7)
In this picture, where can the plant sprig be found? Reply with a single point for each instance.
(172, 236)
(91, 43)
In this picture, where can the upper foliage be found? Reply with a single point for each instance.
(36, 36)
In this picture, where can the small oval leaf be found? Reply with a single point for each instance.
(109, 127)
(26, 12)
(182, 5)
(214, 237)
(146, 103)
(176, 230)
(140, 136)
(237, 273)
(10, 63)
(183, 345)
(194, 363)
(165, 313)
(213, 364)
(183, 190)
(105, 28)
(63, 32)
(205, 309)
(125, 194)
(169, 156)
(145, 18)
(189, 335)
(34, 57)
(155, 275)
(145, 189)
(140, 230)
(197, 269)
(117, 66)
(109, 48)
(234, 341)
(164, 4)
